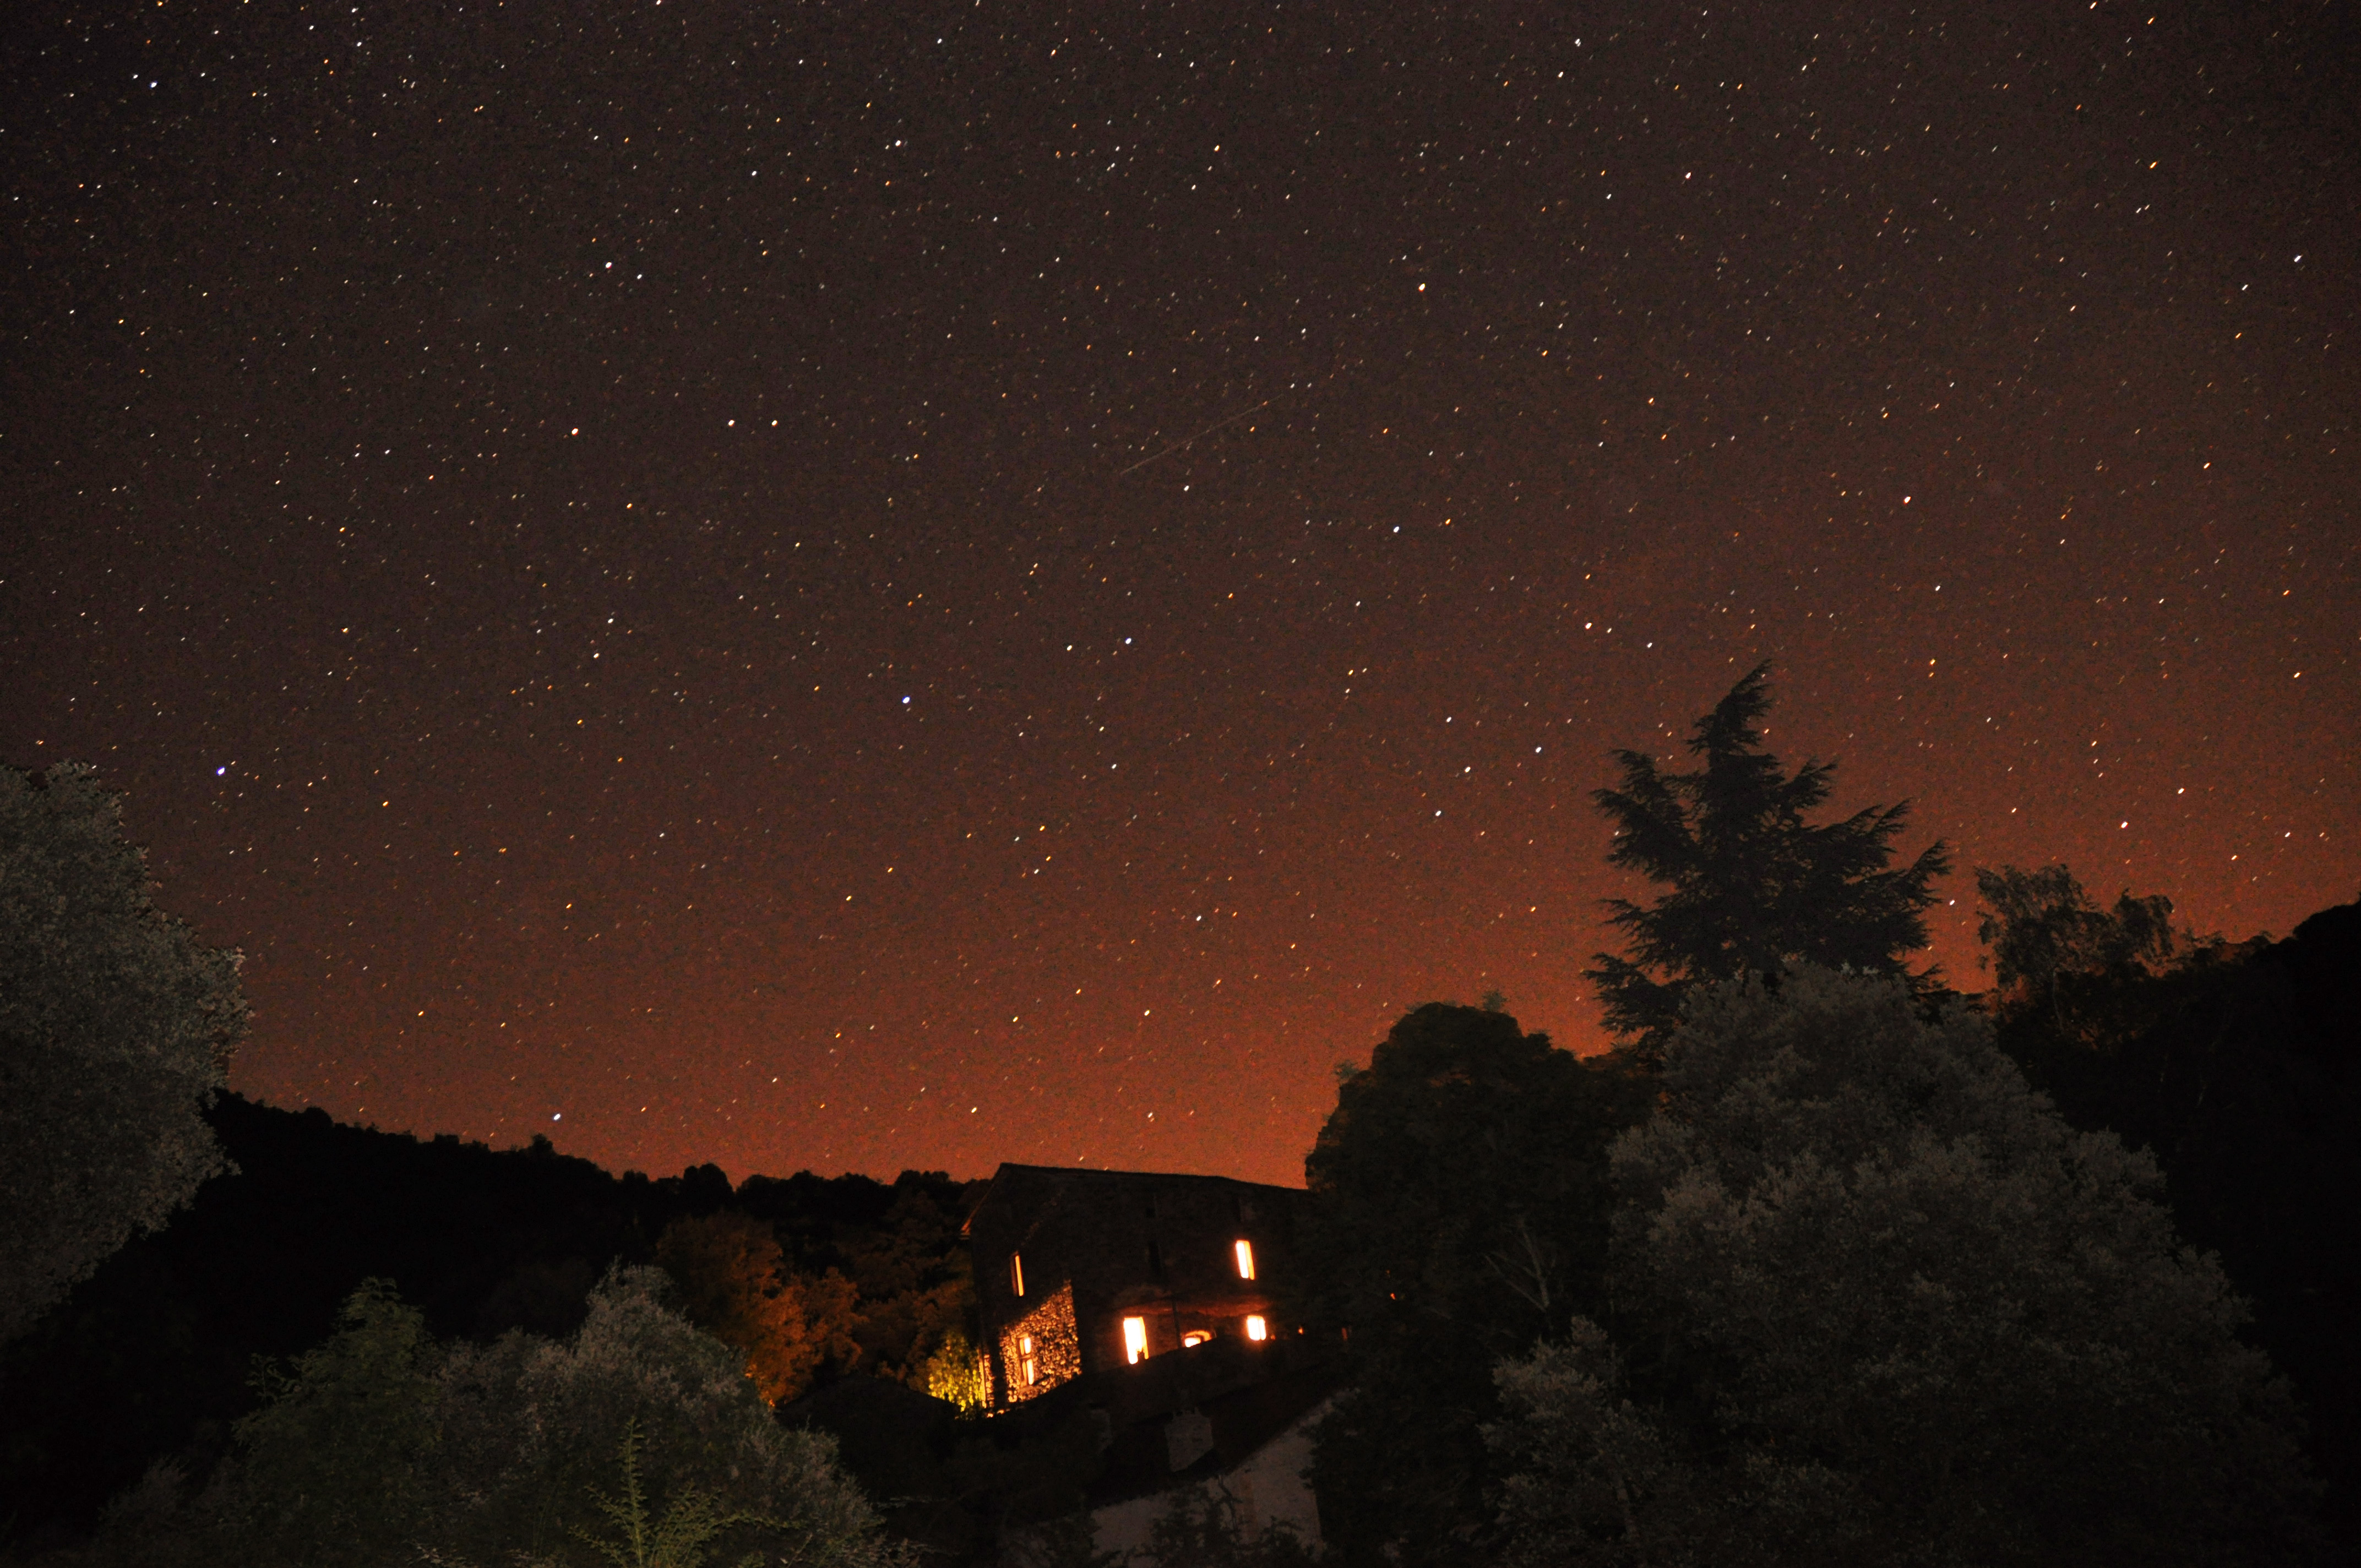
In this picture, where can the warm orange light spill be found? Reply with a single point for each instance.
(1042, 1350)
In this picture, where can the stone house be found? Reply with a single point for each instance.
(1153, 1302)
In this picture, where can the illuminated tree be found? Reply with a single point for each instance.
(912, 1269)
(1754, 887)
(958, 1374)
(1875, 1300)
(735, 1284)
(116, 1026)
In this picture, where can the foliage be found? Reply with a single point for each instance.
(1044, 1475)
(1069, 1542)
(1754, 887)
(1597, 1480)
(912, 1268)
(330, 1465)
(1201, 1528)
(1459, 1208)
(154, 1351)
(2240, 1067)
(682, 1537)
(116, 1026)
(900, 1245)
(1875, 1298)
(2041, 926)
(382, 1446)
(531, 1416)
(957, 1374)
(735, 1284)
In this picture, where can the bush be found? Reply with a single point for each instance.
(382, 1447)
(1873, 1297)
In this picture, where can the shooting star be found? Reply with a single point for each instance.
(1188, 440)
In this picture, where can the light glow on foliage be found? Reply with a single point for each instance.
(959, 1374)
(1041, 1349)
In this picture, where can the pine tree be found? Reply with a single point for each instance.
(1754, 887)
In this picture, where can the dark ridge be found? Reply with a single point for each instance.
(154, 1355)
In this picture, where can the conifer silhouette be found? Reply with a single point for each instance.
(1754, 887)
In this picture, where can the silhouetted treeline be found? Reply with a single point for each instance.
(2239, 1067)
(155, 1354)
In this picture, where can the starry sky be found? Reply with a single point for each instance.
(912, 585)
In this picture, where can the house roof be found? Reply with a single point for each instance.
(1012, 1174)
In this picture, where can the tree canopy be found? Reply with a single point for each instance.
(2043, 930)
(383, 1445)
(1754, 886)
(1458, 1209)
(1875, 1300)
(736, 1285)
(116, 1026)
(2239, 1066)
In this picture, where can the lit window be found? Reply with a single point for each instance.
(1040, 1350)
(1135, 1340)
(1256, 1329)
(1195, 1336)
(1245, 1259)
(1016, 1274)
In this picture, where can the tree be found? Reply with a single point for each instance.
(1200, 1527)
(1755, 887)
(1458, 1209)
(116, 1026)
(958, 1374)
(384, 1446)
(681, 1537)
(1875, 1300)
(2044, 932)
(915, 1284)
(2238, 1065)
(735, 1284)
(330, 1463)
(549, 1412)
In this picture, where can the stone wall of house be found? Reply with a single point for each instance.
(1159, 1250)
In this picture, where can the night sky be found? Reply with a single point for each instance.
(911, 585)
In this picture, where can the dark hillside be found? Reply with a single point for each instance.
(153, 1355)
